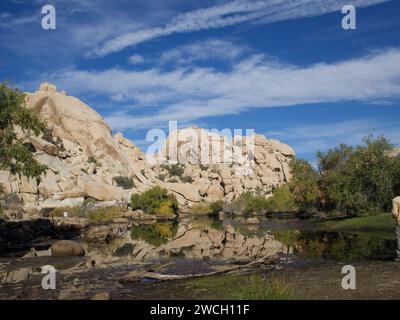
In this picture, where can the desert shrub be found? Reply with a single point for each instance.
(217, 206)
(166, 208)
(173, 180)
(282, 200)
(187, 179)
(203, 167)
(92, 160)
(124, 182)
(75, 212)
(248, 204)
(174, 170)
(105, 215)
(161, 177)
(125, 250)
(48, 136)
(95, 215)
(200, 208)
(155, 201)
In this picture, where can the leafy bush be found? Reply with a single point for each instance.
(249, 204)
(187, 179)
(155, 201)
(124, 182)
(282, 200)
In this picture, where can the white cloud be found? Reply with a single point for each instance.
(203, 51)
(228, 14)
(136, 59)
(187, 94)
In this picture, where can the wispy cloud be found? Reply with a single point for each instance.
(229, 14)
(187, 94)
(210, 49)
(136, 59)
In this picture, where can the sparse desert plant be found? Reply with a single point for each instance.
(105, 215)
(161, 177)
(124, 182)
(125, 250)
(174, 170)
(187, 179)
(92, 160)
(200, 208)
(95, 215)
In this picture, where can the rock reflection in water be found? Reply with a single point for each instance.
(185, 239)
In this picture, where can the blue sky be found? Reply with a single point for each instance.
(284, 68)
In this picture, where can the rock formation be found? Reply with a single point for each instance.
(84, 157)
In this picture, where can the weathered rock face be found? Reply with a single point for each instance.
(222, 169)
(84, 157)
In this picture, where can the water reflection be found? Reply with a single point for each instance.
(209, 238)
(200, 239)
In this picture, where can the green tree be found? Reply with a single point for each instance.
(359, 180)
(304, 184)
(15, 155)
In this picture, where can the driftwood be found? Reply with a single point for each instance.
(139, 275)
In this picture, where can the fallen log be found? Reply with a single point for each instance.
(139, 275)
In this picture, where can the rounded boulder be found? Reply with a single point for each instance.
(67, 248)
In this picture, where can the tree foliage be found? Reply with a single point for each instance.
(359, 180)
(155, 201)
(15, 155)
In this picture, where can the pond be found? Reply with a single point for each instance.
(303, 238)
